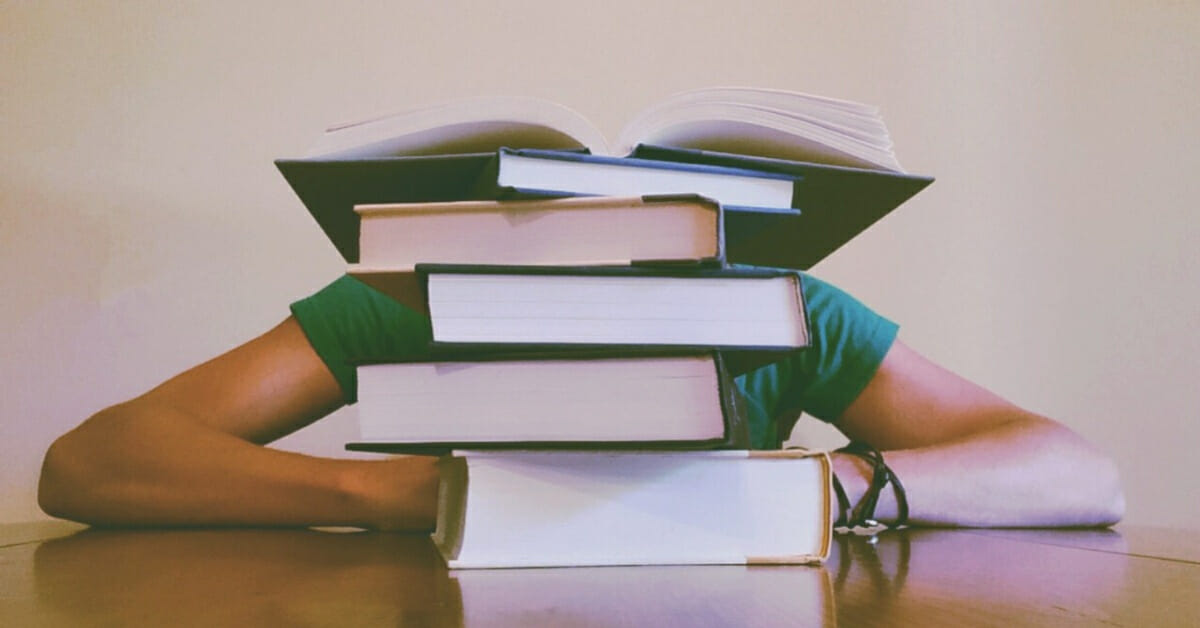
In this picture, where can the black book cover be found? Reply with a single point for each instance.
(331, 188)
(834, 204)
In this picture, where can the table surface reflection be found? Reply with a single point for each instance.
(54, 573)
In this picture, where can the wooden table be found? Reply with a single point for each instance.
(58, 574)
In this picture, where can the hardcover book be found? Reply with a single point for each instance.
(557, 172)
(580, 508)
(560, 400)
(475, 308)
(566, 231)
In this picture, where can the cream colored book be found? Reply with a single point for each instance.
(596, 399)
(523, 308)
(552, 306)
(563, 231)
(499, 509)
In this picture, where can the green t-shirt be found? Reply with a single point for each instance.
(348, 321)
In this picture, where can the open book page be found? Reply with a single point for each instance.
(467, 126)
(856, 120)
(800, 142)
(762, 122)
(769, 123)
(768, 99)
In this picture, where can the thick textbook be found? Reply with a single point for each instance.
(487, 308)
(562, 231)
(774, 123)
(555, 400)
(409, 289)
(579, 508)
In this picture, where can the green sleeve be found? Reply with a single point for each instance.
(348, 321)
(848, 342)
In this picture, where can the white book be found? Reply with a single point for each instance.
(564, 231)
(685, 400)
(617, 306)
(578, 508)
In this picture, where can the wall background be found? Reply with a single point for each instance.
(143, 227)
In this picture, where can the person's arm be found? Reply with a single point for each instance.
(967, 457)
(189, 452)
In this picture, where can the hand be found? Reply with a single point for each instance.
(398, 494)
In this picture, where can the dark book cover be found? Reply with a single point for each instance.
(834, 204)
(331, 188)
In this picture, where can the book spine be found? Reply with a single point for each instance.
(737, 429)
(796, 559)
(687, 272)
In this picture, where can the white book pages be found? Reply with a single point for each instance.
(463, 126)
(770, 123)
(605, 179)
(588, 508)
(559, 309)
(667, 398)
(571, 231)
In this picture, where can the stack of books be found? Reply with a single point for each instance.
(590, 307)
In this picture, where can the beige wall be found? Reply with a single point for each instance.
(143, 227)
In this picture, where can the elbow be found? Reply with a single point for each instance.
(79, 468)
(1116, 510)
(1110, 493)
(1094, 495)
(58, 486)
(1083, 483)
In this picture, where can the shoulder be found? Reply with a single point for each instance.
(848, 342)
(348, 321)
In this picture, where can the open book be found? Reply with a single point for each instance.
(752, 121)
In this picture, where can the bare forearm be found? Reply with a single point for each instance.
(1028, 471)
(139, 465)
